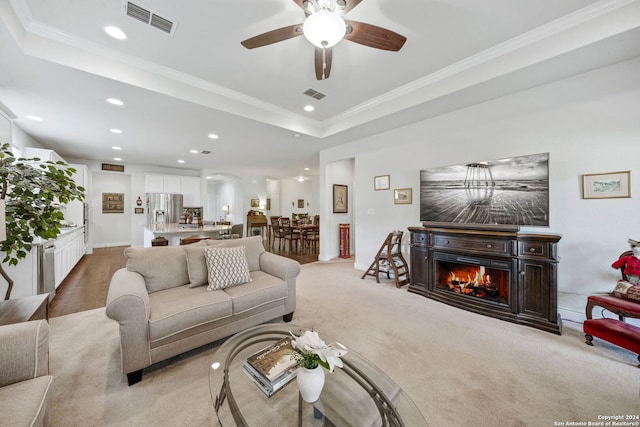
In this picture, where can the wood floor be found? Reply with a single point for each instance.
(85, 288)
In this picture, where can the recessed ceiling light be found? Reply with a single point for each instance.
(309, 108)
(193, 151)
(117, 159)
(306, 169)
(115, 101)
(115, 32)
(115, 131)
(116, 148)
(35, 118)
(213, 136)
(180, 161)
(301, 179)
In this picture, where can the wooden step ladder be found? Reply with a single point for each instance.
(389, 258)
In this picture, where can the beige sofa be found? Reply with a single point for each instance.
(25, 383)
(163, 306)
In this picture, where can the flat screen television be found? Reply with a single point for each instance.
(512, 191)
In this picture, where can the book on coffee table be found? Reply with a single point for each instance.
(272, 367)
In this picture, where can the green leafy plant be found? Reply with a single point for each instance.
(34, 195)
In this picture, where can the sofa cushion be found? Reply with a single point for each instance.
(254, 248)
(162, 267)
(227, 267)
(264, 289)
(178, 309)
(196, 264)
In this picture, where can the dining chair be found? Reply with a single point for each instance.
(274, 231)
(291, 235)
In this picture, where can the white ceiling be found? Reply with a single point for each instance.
(58, 63)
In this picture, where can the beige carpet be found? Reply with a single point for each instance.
(461, 369)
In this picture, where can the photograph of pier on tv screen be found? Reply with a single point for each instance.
(513, 191)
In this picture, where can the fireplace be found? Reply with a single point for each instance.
(473, 277)
(499, 273)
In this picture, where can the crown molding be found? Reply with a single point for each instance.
(519, 52)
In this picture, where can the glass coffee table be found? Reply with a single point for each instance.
(359, 394)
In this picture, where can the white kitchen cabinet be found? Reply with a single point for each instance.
(74, 211)
(188, 186)
(43, 154)
(69, 248)
(190, 191)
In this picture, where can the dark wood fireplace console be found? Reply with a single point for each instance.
(527, 262)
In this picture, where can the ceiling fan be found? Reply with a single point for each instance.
(324, 27)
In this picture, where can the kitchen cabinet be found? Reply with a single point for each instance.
(43, 154)
(188, 186)
(190, 189)
(69, 248)
(74, 211)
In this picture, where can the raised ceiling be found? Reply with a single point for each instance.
(58, 63)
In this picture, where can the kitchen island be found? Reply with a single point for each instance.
(173, 232)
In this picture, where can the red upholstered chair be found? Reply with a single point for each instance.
(615, 331)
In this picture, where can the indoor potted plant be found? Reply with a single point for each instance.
(311, 353)
(33, 195)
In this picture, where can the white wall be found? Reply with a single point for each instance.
(291, 192)
(335, 172)
(110, 229)
(589, 124)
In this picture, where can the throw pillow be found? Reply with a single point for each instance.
(196, 264)
(227, 267)
(626, 290)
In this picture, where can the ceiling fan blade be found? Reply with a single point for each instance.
(301, 4)
(351, 4)
(372, 36)
(273, 36)
(323, 62)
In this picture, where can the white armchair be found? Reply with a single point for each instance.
(25, 383)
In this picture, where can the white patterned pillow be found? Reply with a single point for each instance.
(227, 267)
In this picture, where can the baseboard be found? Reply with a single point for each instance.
(580, 317)
(110, 244)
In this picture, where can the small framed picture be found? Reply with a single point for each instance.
(255, 203)
(403, 196)
(340, 198)
(606, 185)
(138, 210)
(301, 203)
(381, 182)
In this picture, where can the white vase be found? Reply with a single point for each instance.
(310, 383)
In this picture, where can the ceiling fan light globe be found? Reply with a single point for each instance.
(324, 29)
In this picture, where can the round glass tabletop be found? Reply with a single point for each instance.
(358, 394)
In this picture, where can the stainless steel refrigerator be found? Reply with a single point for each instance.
(163, 208)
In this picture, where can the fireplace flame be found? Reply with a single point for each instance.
(480, 278)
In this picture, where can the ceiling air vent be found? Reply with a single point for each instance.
(314, 94)
(144, 14)
(205, 152)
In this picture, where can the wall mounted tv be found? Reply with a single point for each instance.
(512, 191)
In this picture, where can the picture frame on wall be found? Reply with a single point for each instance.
(403, 196)
(138, 210)
(255, 203)
(381, 182)
(112, 203)
(608, 185)
(340, 198)
(301, 203)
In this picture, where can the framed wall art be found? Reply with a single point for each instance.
(112, 203)
(300, 203)
(606, 185)
(403, 196)
(381, 182)
(138, 210)
(255, 203)
(340, 198)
